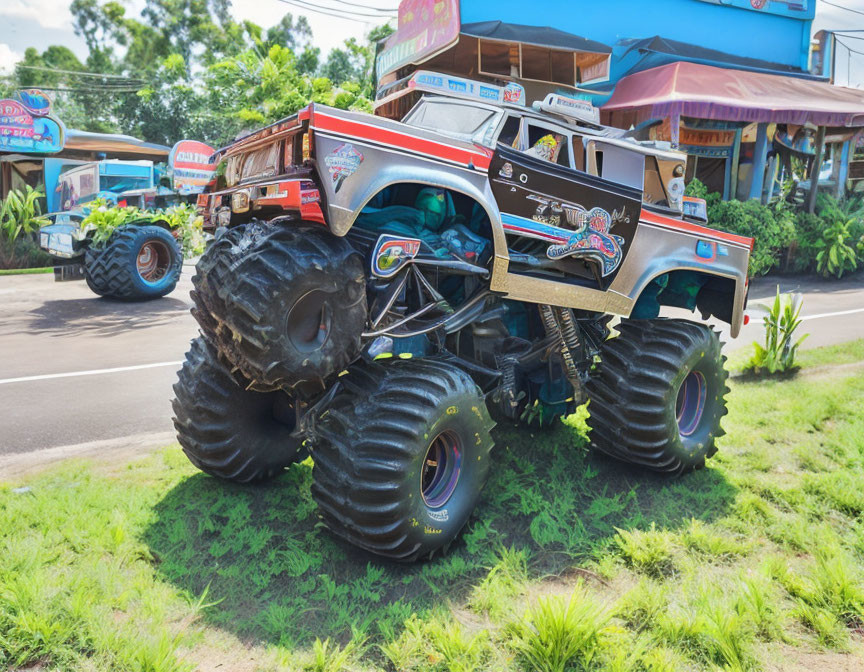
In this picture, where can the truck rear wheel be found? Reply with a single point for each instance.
(659, 395)
(225, 430)
(293, 310)
(401, 457)
(138, 262)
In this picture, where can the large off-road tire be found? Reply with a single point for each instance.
(293, 310)
(401, 457)
(226, 430)
(138, 262)
(659, 395)
(214, 276)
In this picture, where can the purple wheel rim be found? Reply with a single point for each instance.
(442, 466)
(690, 405)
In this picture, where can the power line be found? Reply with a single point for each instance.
(854, 11)
(850, 49)
(332, 11)
(80, 73)
(390, 10)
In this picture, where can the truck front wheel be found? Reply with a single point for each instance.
(225, 430)
(659, 395)
(401, 456)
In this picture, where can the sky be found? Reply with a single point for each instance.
(25, 23)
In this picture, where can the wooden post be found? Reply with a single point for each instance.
(814, 171)
(675, 129)
(736, 157)
(841, 168)
(760, 151)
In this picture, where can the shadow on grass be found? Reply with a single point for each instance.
(282, 577)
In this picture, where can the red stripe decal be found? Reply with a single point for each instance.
(654, 218)
(386, 136)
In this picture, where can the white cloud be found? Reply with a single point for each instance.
(47, 13)
(8, 57)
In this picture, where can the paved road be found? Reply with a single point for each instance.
(59, 338)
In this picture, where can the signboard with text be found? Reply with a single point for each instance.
(27, 125)
(425, 27)
(190, 166)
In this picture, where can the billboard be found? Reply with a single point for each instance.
(27, 125)
(425, 27)
(190, 166)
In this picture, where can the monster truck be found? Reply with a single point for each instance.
(383, 290)
(141, 259)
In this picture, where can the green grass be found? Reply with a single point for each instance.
(25, 271)
(572, 561)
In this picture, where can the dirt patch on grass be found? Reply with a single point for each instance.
(785, 658)
(112, 451)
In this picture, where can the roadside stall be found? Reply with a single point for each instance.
(740, 128)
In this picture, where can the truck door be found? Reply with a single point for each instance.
(561, 225)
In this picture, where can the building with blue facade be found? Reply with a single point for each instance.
(739, 139)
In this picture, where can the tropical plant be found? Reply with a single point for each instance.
(781, 319)
(836, 254)
(104, 217)
(184, 219)
(21, 213)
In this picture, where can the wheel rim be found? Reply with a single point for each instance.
(442, 466)
(309, 321)
(153, 261)
(690, 405)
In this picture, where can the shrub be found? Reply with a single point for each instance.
(808, 235)
(773, 231)
(836, 252)
(20, 219)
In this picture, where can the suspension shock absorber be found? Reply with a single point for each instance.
(555, 326)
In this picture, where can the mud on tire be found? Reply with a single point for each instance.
(291, 310)
(225, 430)
(401, 457)
(659, 395)
(213, 274)
(138, 262)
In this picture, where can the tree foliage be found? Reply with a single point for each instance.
(188, 69)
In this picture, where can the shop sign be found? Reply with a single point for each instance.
(190, 166)
(696, 141)
(797, 9)
(27, 125)
(425, 27)
(424, 80)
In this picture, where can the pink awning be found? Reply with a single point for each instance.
(707, 92)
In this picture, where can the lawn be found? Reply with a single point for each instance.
(572, 561)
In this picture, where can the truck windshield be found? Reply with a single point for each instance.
(458, 120)
(120, 183)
